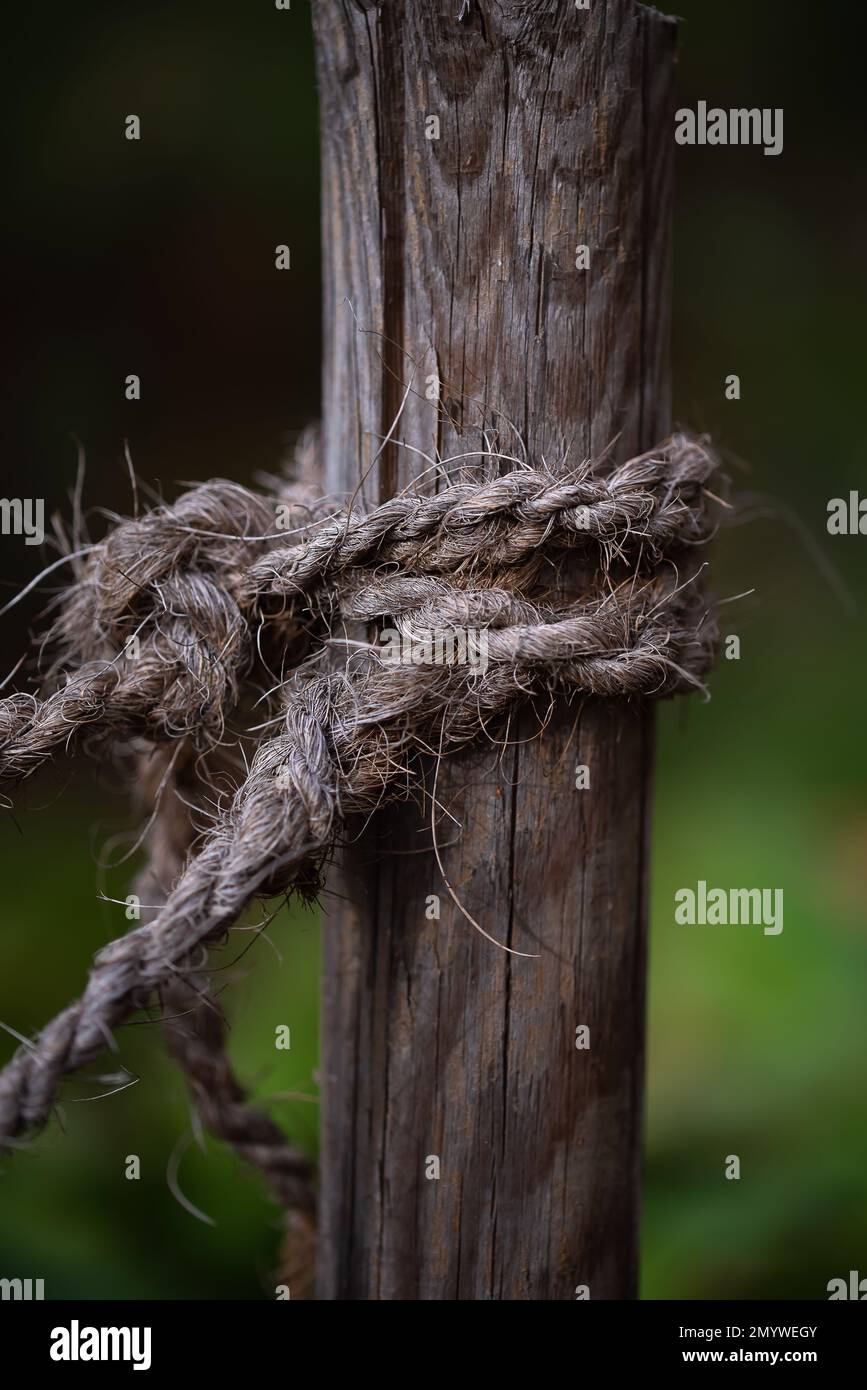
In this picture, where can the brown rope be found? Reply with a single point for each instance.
(215, 598)
(196, 1029)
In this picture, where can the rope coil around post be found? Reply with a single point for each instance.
(214, 598)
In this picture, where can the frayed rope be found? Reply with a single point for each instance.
(178, 615)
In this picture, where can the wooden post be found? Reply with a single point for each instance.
(456, 242)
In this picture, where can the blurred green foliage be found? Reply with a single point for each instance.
(757, 1045)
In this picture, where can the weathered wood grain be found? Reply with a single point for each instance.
(456, 257)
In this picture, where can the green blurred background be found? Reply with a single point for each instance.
(157, 258)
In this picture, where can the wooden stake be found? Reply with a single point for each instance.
(453, 255)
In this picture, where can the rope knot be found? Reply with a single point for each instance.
(525, 584)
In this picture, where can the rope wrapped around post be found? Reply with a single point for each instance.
(216, 601)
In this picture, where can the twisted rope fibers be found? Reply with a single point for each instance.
(210, 599)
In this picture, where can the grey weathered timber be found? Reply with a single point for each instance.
(455, 258)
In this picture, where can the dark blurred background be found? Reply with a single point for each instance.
(157, 257)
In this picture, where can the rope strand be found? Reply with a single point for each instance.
(211, 594)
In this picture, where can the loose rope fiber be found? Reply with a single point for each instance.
(179, 617)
